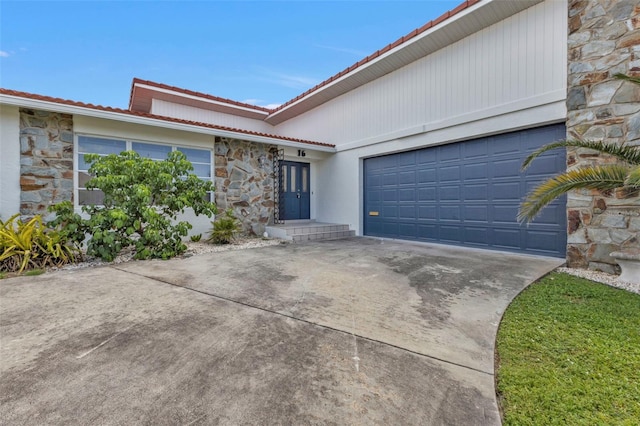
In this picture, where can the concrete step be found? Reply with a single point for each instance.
(309, 231)
(316, 229)
(323, 236)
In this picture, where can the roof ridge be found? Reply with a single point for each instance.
(193, 93)
(62, 101)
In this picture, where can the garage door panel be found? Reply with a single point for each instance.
(476, 213)
(375, 180)
(408, 177)
(449, 153)
(426, 158)
(506, 238)
(506, 168)
(407, 212)
(505, 145)
(427, 176)
(476, 149)
(475, 171)
(542, 241)
(504, 213)
(450, 233)
(408, 194)
(428, 232)
(467, 193)
(476, 236)
(390, 195)
(543, 166)
(449, 174)
(389, 212)
(476, 192)
(389, 179)
(448, 193)
(406, 229)
(506, 191)
(550, 215)
(448, 212)
(427, 212)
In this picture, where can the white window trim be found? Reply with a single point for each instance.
(128, 144)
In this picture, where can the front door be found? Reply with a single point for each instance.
(296, 190)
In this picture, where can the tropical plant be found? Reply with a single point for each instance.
(225, 228)
(31, 245)
(142, 199)
(624, 175)
(195, 238)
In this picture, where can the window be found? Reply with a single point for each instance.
(200, 158)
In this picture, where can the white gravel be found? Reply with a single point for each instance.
(602, 277)
(192, 250)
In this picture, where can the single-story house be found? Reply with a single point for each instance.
(421, 140)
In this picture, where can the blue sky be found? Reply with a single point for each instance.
(260, 52)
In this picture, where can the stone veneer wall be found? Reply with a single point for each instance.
(244, 182)
(46, 160)
(604, 39)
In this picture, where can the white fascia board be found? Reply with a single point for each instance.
(117, 116)
(200, 99)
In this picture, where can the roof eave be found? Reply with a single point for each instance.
(156, 122)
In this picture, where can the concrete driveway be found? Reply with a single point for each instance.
(356, 331)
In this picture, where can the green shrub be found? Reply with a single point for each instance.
(225, 228)
(142, 199)
(196, 238)
(31, 245)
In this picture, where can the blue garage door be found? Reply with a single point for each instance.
(467, 193)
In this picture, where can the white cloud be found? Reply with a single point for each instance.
(251, 101)
(354, 52)
(4, 54)
(259, 102)
(294, 81)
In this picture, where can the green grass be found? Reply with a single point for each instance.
(33, 272)
(569, 353)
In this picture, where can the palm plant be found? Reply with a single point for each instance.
(625, 174)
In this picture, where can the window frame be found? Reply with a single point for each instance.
(129, 146)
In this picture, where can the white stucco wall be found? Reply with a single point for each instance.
(9, 161)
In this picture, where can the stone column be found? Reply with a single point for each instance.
(46, 160)
(244, 182)
(604, 39)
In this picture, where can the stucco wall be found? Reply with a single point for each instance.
(604, 39)
(9, 161)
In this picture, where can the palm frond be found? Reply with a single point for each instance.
(625, 77)
(600, 177)
(629, 154)
(633, 179)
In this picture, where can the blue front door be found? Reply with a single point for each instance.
(296, 190)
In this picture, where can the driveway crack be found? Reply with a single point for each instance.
(290, 316)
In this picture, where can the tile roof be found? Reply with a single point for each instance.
(192, 93)
(32, 96)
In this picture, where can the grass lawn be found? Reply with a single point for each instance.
(569, 353)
